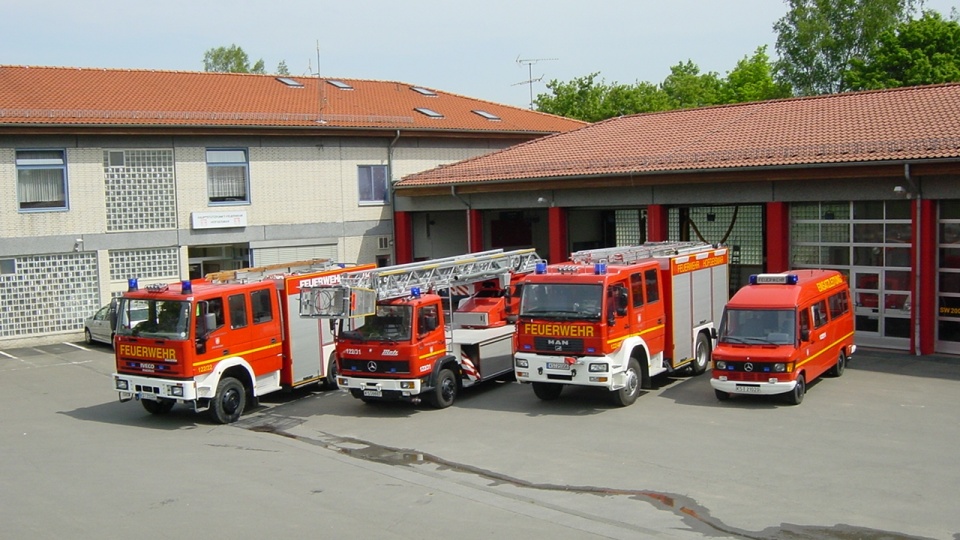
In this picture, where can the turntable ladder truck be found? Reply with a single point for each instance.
(615, 317)
(402, 337)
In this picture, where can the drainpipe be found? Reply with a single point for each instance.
(915, 190)
(453, 191)
(393, 251)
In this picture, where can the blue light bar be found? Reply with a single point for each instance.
(774, 279)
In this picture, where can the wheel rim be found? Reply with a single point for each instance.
(701, 355)
(841, 364)
(633, 382)
(448, 389)
(231, 401)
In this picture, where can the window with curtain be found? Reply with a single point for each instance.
(373, 184)
(41, 179)
(227, 176)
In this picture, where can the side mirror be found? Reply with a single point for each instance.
(621, 301)
(805, 334)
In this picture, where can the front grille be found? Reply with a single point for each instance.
(374, 366)
(558, 344)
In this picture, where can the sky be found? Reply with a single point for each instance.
(496, 50)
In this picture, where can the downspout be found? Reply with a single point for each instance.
(453, 191)
(915, 189)
(393, 250)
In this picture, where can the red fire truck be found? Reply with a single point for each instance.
(219, 343)
(615, 317)
(782, 331)
(396, 341)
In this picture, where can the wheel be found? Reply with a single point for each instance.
(228, 404)
(547, 391)
(721, 395)
(796, 396)
(629, 393)
(160, 406)
(701, 355)
(330, 381)
(445, 391)
(87, 338)
(841, 365)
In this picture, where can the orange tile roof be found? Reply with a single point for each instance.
(898, 124)
(63, 96)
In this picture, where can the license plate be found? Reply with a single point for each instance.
(558, 365)
(372, 393)
(748, 388)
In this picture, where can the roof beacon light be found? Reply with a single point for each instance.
(774, 279)
(186, 287)
(600, 268)
(541, 267)
(415, 292)
(132, 284)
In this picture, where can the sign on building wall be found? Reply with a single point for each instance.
(218, 220)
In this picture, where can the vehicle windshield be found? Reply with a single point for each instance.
(390, 323)
(561, 301)
(165, 319)
(758, 326)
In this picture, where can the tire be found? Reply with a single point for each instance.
(228, 404)
(160, 406)
(330, 381)
(87, 337)
(547, 391)
(444, 393)
(721, 395)
(701, 358)
(795, 397)
(840, 366)
(629, 393)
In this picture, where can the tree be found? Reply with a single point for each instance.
(586, 99)
(687, 88)
(818, 39)
(282, 68)
(921, 51)
(753, 80)
(230, 59)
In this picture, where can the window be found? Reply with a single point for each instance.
(428, 112)
(653, 292)
(489, 116)
(262, 310)
(373, 183)
(227, 178)
(8, 266)
(839, 304)
(820, 314)
(636, 289)
(238, 310)
(41, 179)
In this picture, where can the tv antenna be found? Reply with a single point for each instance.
(529, 62)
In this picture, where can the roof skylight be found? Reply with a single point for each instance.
(429, 112)
(339, 84)
(290, 82)
(424, 91)
(485, 114)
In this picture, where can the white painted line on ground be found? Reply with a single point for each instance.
(76, 346)
(9, 355)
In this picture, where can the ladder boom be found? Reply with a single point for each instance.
(631, 254)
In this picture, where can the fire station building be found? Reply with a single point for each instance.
(866, 183)
(164, 176)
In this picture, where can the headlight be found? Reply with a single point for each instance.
(176, 391)
(407, 385)
(720, 364)
(521, 362)
(599, 368)
(780, 367)
(122, 384)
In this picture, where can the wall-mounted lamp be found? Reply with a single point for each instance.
(78, 244)
(541, 200)
(902, 191)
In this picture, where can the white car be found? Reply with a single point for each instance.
(102, 325)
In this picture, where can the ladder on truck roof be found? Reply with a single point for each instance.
(631, 254)
(358, 292)
(259, 273)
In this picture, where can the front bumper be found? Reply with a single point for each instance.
(530, 368)
(139, 387)
(381, 388)
(753, 387)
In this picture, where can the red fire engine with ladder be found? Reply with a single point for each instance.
(396, 340)
(615, 317)
(219, 343)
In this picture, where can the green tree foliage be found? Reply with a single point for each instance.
(230, 59)
(587, 99)
(817, 40)
(282, 68)
(687, 87)
(753, 80)
(921, 51)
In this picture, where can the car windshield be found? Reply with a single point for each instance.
(561, 301)
(390, 323)
(167, 319)
(758, 326)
